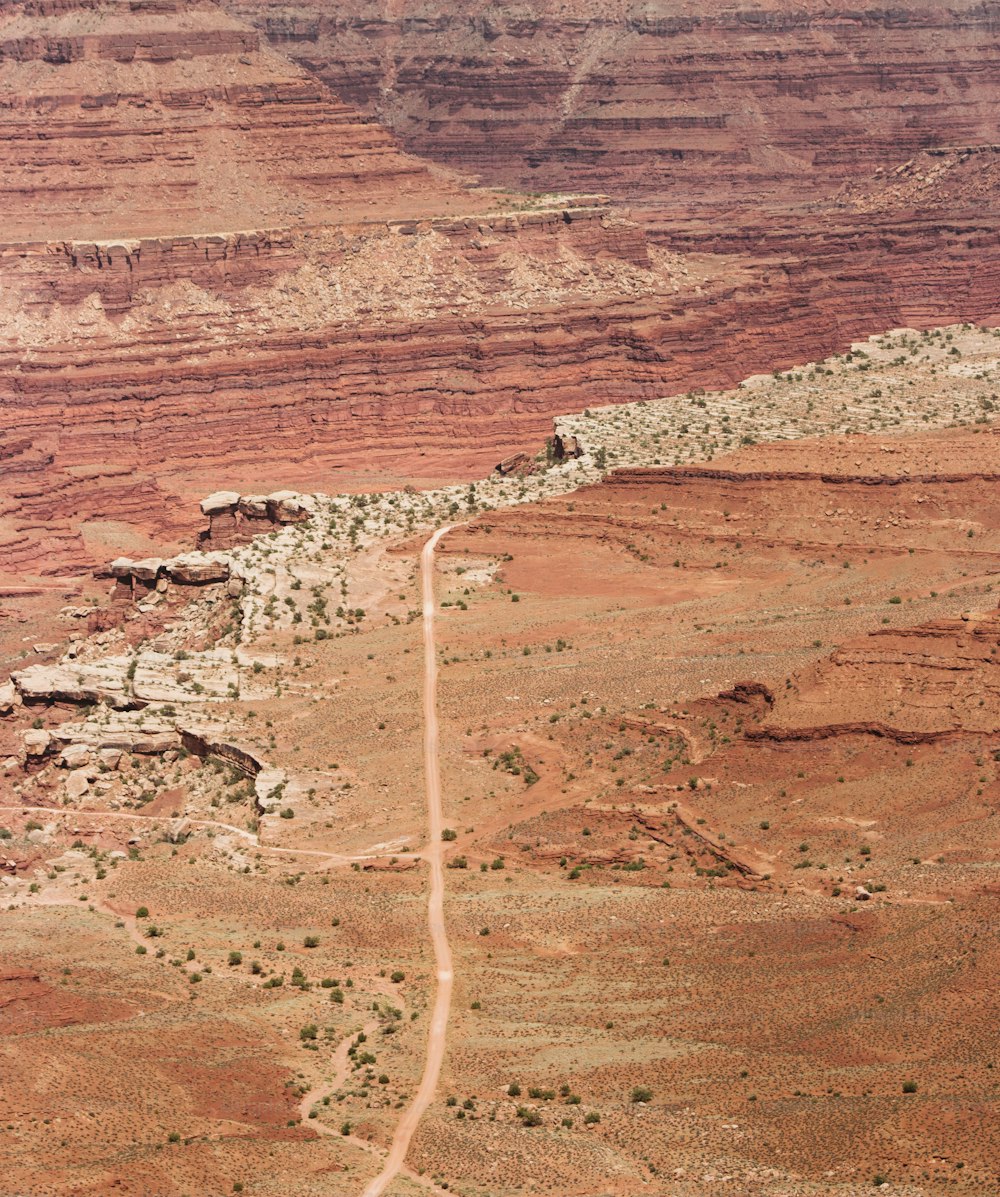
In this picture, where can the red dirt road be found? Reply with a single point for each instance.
(435, 903)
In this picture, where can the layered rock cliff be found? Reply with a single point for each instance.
(216, 273)
(210, 263)
(678, 103)
(168, 117)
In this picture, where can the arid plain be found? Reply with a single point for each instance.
(719, 764)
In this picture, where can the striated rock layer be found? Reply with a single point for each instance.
(216, 273)
(123, 119)
(202, 385)
(137, 371)
(210, 263)
(680, 104)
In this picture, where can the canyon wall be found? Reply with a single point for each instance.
(122, 119)
(676, 104)
(192, 378)
(216, 272)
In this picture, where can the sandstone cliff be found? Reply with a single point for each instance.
(677, 103)
(217, 273)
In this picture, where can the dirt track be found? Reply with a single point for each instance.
(435, 904)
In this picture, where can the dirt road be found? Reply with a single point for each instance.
(435, 904)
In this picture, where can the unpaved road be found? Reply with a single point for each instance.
(435, 903)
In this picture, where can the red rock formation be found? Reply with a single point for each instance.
(236, 519)
(691, 104)
(376, 381)
(922, 684)
(217, 274)
(438, 342)
(128, 120)
(211, 264)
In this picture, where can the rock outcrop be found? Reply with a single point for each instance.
(136, 581)
(914, 685)
(234, 518)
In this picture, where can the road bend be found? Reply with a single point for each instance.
(436, 1037)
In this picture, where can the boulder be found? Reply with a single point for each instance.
(74, 756)
(286, 507)
(77, 784)
(861, 894)
(178, 830)
(517, 463)
(9, 698)
(565, 446)
(220, 502)
(234, 588)
(36, 741)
